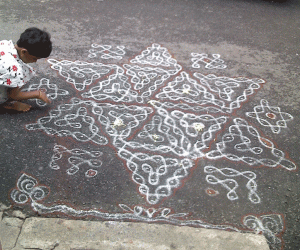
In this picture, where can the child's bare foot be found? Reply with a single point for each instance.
(18, 106)
(43, 97)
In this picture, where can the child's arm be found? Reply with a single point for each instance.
(18, 95)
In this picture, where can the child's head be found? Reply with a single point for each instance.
(37, 42)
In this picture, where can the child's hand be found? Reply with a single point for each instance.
(43, 97)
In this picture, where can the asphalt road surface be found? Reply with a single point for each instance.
(180, 112)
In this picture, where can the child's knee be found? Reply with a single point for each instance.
(12, 93)
(3, 94)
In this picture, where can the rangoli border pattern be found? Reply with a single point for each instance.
(29, 190)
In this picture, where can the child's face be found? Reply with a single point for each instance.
(27, 58)
(30, 59)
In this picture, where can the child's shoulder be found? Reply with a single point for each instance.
(6, 43)
(7, 48)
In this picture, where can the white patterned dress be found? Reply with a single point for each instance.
(13, 71)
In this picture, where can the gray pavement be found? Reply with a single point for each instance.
(18, 233)
(179, 114)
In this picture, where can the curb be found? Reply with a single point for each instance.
(19, 233)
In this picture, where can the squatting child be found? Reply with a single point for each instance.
(15, 72)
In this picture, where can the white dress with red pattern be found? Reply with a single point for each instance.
(13, 71)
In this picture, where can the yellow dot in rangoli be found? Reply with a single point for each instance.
(199, 126)
(118, 123)
(186, 91)
(155, 137)
(152, 102)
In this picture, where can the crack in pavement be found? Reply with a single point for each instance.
(19, 233)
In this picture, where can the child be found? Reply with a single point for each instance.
(33, 44)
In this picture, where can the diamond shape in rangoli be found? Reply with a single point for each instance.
(80, 74)
(82, 120)
(181, 134)
(222, 92)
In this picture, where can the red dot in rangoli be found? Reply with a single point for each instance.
(211, 192)
(91, 173)
(271, 115)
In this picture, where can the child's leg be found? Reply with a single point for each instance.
(15, 95)
(18, 95)
(18, 106)
(9, 104)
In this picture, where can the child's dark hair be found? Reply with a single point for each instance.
(37, 42)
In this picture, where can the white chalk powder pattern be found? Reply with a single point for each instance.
(76, 159)
(270, 116)
(52, 90)
(106, 51)
(231, 184)
(213, 62)
(242, 142)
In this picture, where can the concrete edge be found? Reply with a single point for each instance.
(18, 232)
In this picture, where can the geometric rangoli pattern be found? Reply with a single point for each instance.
(271, 225)
(270, 116)
(224, 177)
(76, 159)
(242, 142)
(53, 90)
(106, 51)
(213, 62)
